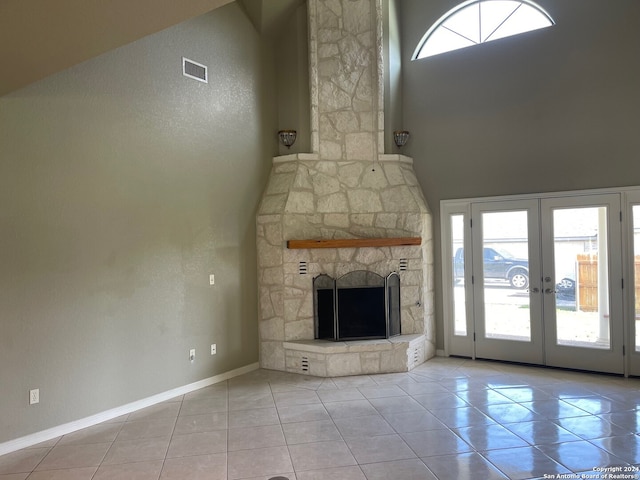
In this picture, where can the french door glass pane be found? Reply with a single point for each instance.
(506, 275)
(636, 263)
(582, 277)
(459, 302)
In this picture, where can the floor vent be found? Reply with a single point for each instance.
(304, 364)
(194, 70)
(302, 268)
(404, 263)
(416, 356)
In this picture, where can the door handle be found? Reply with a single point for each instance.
(533, 290)
(548, 290)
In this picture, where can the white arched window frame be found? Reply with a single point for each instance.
(480, 21)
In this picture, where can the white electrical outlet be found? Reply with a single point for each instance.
(34, 396)
(192, 354)
(213, 349)
(212, 279)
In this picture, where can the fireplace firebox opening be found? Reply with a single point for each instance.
(360, 305)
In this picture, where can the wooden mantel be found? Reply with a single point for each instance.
(355, 243)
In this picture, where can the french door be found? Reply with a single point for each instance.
(507, 315)
(633, 283)
(542, 283)
(582, 282)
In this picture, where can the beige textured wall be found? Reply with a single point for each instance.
(549, 110)
(392, 74)
(292, 66)
(39, 37)
(124, 184)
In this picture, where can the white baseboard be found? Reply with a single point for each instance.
(55, 432)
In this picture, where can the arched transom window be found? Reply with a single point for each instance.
(479, 21)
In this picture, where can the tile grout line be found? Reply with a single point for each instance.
(110, 447)
(228, 412)
(173, 430)
(275, 405)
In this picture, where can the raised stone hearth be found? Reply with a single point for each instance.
(323, 358)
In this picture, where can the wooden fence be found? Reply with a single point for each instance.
(587, 288)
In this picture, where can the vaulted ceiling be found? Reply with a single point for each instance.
(42, 37)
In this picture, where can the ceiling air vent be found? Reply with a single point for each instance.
(194, 70)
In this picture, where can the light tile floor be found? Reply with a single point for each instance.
(447, 419)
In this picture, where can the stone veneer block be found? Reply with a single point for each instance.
(272, 355)
(370, 363)
(343, 364)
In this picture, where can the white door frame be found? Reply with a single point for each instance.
(526, 351)
(465, 346)
(456, 344)
(610, 360)
(629, 200)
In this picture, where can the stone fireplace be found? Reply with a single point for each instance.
(369, 204)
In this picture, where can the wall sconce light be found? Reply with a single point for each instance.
(287, 137)
(400, 138)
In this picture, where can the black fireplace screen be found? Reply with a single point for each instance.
(359, 305)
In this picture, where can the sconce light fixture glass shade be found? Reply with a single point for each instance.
(400, 138)
(287, 137)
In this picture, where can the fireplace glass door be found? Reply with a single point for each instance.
(357, 306)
